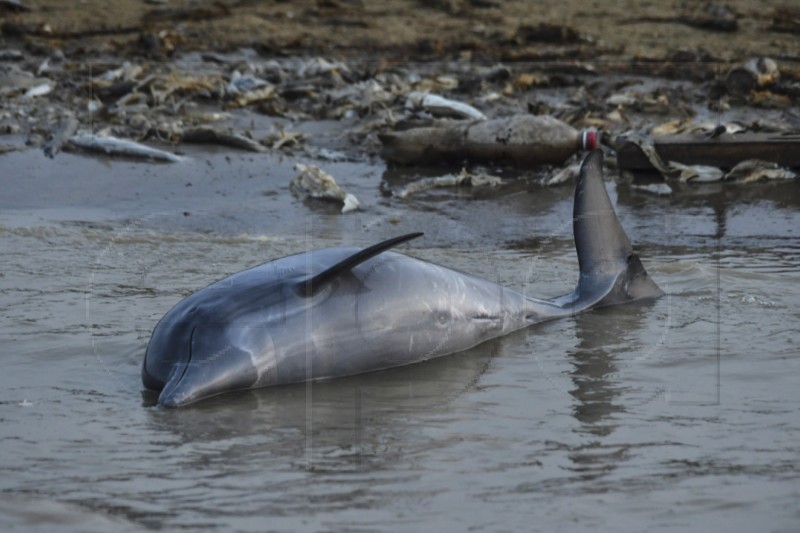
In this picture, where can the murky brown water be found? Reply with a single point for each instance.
(679, 414)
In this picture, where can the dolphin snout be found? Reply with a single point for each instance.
(207, 374)
(171, 400)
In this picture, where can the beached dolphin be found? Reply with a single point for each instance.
(343, 311)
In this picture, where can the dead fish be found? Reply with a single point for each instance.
(752, 170)
(696, 173)
(462, 178)
(210, 134)
(14, 80)
(38, 90)
(660, 189)
(316, 183)
(442, 107)
(116, 146)
(11, 55)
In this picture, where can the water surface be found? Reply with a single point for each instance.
(682, 413)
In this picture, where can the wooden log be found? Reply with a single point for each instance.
(724, 151)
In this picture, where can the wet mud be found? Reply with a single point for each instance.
(263, 76)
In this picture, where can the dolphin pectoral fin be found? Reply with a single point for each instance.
(610, 271)
(312, 285)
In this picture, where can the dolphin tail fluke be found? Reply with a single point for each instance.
(610, 272)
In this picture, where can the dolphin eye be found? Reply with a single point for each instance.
(442, 317)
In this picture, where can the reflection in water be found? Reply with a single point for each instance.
(711, 209)
(338, 425)
(604, 337)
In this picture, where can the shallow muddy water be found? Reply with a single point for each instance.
(682, 413)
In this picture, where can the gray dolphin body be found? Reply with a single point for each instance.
(343, 311)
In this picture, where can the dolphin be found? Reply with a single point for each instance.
(343, 311)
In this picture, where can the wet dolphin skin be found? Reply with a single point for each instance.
(344, 311)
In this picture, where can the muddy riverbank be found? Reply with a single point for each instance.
(409, 29)
(265, 76)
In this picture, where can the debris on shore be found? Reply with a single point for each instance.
(123, 147)
(752, 170)
(439, 106)
(519, 139)
(707, 159)
(66, 129)
(524, 97)
(659, 189)
(696, 173)
(754, 74)
(568, 173)
(313, 182)
(478, 179)
(211, 134)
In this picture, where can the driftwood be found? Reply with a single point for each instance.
(725, 151)
(519, 139)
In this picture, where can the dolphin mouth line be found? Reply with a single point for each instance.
(189, 360)
(174, 380)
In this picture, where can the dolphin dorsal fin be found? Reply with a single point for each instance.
(310, 286)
